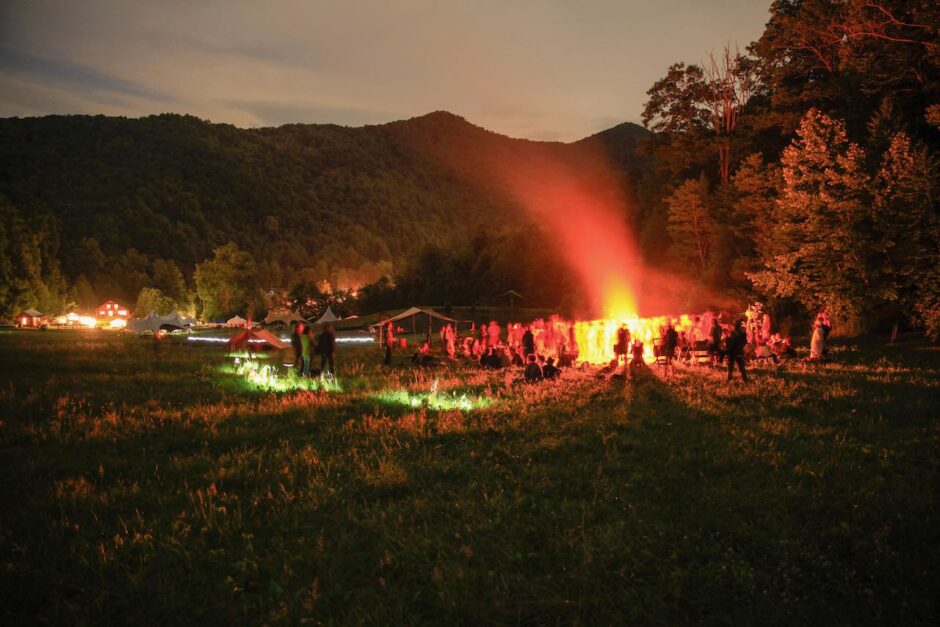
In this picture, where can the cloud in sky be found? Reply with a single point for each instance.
(544, 69)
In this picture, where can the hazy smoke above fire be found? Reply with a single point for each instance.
(583, 208)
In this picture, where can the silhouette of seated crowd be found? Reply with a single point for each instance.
(707, 340)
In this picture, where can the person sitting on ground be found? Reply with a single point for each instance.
(501, 357)
(637, 354)
(533, 372)
(495, 359)
(423, 356)
(515, 358)
(550, 371)
(764, 351)
(784, 348)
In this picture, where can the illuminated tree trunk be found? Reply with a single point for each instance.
(730, 83)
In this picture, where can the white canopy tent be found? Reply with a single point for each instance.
(327, 317)
(153, 322)
(413, 312)
(235, 321)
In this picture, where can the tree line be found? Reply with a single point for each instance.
(803, 169)
(800, 169)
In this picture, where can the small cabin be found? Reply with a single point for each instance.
(111, 310)
(30, 319)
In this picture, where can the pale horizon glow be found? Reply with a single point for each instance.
(547, 70)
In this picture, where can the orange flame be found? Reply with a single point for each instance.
(581, 204)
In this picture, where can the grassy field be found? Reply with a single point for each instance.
(151, 484)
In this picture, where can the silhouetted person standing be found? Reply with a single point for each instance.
(670, 342)
(306, 339)
(622, 347)
(296, 345)
(389, 343)
(735, 350)
(528, 342)
(714, 341)
(326, 346)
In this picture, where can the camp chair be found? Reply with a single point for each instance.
(659, 355)
(701, 356)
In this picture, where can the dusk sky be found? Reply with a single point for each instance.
(553, 70)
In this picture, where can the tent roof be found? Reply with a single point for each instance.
(153, 322)
(282, 315)
(259, 335)
(236, 320)
(33, 313)
(414, 311)
(328, 316)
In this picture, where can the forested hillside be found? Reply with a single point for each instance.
(94, 202)
(802, 170)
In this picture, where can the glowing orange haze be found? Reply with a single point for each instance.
(582, 205)
(582, 208)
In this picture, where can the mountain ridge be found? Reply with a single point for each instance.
(344, 204)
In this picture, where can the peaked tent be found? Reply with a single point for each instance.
(235, 321)
(328, 316)
(513, 295)
(153, 322)
(257, 337)
(176, 320)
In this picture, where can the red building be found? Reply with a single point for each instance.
(111, 310)
(30, 318)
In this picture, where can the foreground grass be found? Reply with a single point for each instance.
(152, 485)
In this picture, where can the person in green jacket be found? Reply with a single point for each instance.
(306, 340)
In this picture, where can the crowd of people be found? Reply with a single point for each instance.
(490, 347)
(306, 344)
(543, 348)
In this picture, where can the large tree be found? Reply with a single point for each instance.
(906, 221)
(695, 111)
(691, 222)
(823, 232)
(227, 284)
(845, 56)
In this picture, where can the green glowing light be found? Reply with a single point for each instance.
(271, 377)
(248, 355)
(440, 401)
